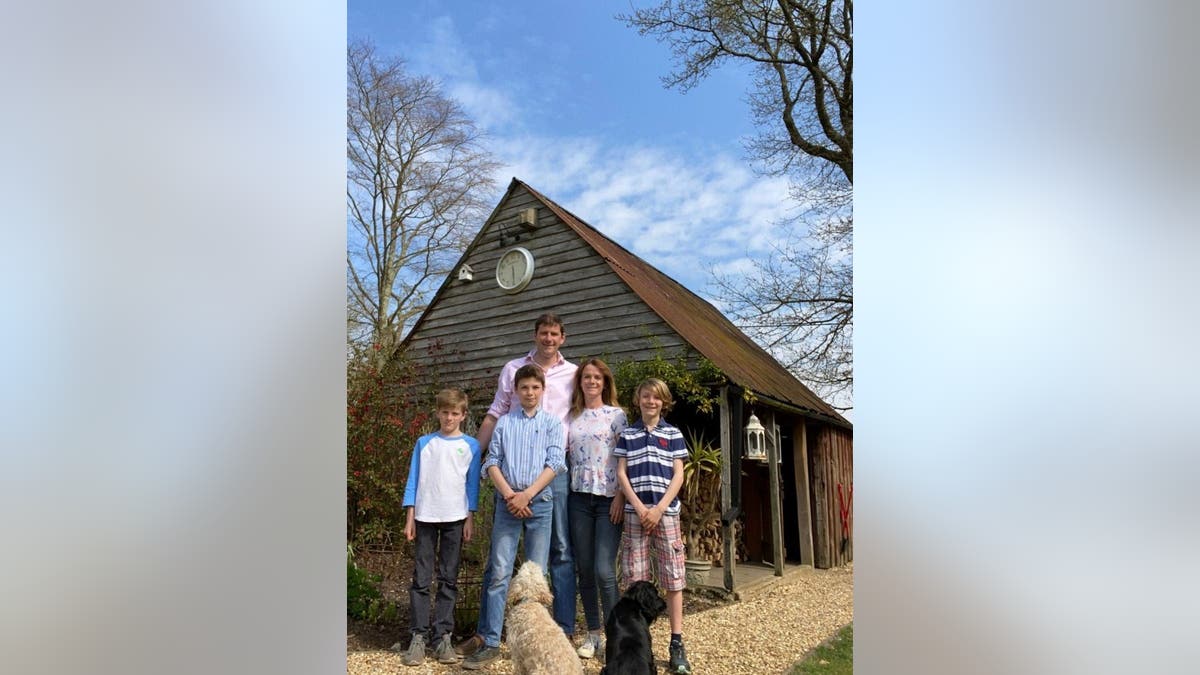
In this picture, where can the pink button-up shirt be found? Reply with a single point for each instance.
(560, 383)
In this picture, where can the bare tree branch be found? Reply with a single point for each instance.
(417, 178)
(800, 302)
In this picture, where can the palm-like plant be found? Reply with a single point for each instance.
(701, 491)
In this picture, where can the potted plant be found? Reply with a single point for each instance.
(700, 503)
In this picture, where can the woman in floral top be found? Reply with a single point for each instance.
(596, 505)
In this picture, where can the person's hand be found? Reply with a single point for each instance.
(469, 527)
(651, 518)
(410, 528)
(520, 500)
(616, 512)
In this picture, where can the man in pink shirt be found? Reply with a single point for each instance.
(549, 334)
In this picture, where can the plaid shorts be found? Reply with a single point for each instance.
(664, 545)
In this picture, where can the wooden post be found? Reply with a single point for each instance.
(803, 491)
(727, 529)
(773, 451)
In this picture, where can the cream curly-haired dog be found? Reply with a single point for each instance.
(536, 644)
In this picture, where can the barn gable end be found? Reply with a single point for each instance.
(474, 327)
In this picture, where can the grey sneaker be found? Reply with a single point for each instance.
(444, 652)
(481, 658)
(415, 655)
(679, 664)
(593, 645)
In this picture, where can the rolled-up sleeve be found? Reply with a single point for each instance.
(495, 450)
(556, 454)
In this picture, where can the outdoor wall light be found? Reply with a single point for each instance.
(756, 440)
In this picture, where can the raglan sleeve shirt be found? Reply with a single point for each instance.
(473, 475)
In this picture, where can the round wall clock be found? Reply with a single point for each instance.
(515, 269)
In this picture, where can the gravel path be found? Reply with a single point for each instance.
(764, 633)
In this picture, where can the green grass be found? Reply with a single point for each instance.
(835, 656)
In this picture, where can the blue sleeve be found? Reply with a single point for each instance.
(414, 472)
(556, 455)
(495, 446)
(679, 449)
(473, 476)
(620, 450)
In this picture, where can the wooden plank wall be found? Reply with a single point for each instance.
(831, 455)
(474, 327)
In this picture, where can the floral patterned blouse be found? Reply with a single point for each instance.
(591, 438)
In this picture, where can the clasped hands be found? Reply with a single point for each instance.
(518, 504)
(649, 517)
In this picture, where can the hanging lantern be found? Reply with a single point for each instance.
(756, 440)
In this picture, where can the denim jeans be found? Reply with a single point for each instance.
(447, 554)
(595, 539)
(562, 562)
(506, 532)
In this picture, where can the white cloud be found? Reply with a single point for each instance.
(679, 212)
(681, 208)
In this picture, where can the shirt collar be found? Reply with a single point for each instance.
(559, 362)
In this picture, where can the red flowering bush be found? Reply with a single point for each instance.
(387, 409)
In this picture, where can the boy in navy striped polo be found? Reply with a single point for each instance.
(650, 455)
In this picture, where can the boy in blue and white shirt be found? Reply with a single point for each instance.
(524, 456)
(441, 496)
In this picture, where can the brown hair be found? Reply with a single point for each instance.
(527, 371)
(608, 392)
(452, 398)
(660, 389)
(549, 319)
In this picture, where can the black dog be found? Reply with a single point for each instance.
(627, 632)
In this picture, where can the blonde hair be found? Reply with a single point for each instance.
(452, 398)
(608, 392)
(660, 389)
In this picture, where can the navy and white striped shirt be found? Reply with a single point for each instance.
(523, 446)
(650, 461)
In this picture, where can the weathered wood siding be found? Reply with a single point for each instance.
(831, 458)
(474, 327)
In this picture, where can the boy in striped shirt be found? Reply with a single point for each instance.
(525, 454)
(650, 455)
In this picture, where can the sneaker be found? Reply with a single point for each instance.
(679, 663)
(481, 658)
(469, 646)
(593, 645)
(444, 652)
(415, 655)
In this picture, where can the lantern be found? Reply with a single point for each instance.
(756, 440)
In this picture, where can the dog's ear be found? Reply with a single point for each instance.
(651, 603)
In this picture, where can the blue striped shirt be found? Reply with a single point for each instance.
(523, 446)
(650, 461)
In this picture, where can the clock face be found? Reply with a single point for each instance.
(515, 269)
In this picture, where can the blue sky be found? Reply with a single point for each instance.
(573, 104)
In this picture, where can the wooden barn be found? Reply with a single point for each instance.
(534, 256)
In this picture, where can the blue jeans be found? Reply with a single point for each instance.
(562, 562)
(595, 539)
(506, 533)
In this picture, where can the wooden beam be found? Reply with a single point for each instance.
(776, 505)
(803, 491)
(727, 529)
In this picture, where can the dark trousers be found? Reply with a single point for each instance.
(443, 542)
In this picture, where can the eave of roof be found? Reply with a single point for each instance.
(699, 323)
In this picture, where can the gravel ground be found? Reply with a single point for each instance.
(764, 633)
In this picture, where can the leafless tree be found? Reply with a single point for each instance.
(800, 302)
(418, 181)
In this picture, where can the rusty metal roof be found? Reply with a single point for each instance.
(698, 322)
